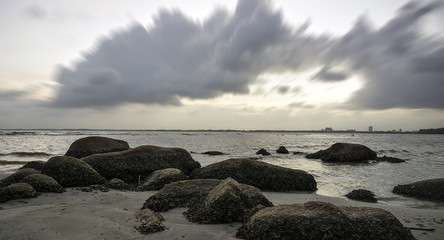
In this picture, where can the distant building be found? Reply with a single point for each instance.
(400, 130)
(370, 128)
(328, 129)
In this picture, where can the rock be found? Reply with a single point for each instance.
(298, 153)
(389, 159)
(226, 203)
(259, 174)
(43, 183)
(344, 152)
(92, 145)
(17, 191)
(17, 176)
(362, 195)
(191, 192)
(432, 189)
(319, 220)
(150, 221)
(213, 153)
(72, 172)
(282, 150)
(140, 162)
(160, 178)
(263, 152)
(37, 165)
(118, 184)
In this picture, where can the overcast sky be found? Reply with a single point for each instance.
(247, 64)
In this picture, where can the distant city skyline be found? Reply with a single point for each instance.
(245, 65)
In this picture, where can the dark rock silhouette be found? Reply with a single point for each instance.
(390, 159)
(263, 152)
(213, 153)
(72, 172)
(264, 176)
(319, 220)
(432, 189)
(362, 195)
(282, 150)
(344, 152)
(92, 145)
(141, 161)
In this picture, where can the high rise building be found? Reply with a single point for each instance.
(370, 128)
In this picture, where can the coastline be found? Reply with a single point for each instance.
(110, 215)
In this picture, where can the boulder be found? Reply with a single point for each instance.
(263, 152)
(92, 145)
(191, 192)
(259, 174)
(362, 195)
(72, 172)
(37, 165)
(118, 184)
(159, 178)
(432, 189)
(150, 221)
(282, 150)
(43, 183)
(344, 152)
(389, 159)
(319, 220)
(141, 161)
(226, 203)
(17, 191)
(17, 176)
(213, 153)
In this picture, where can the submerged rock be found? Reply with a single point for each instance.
(213, 153)
(390, 159)
(226, 203)
(160, 178)
(432, 189)
(263, 152)
(282, 150)
(43, 183)
(151, 222)
(17, 176)
(319, 220)
(141, 161)
(264, 176)
(37, 165)
(344, 152)
(72, 172)
(362, 195)
(17, 191)
(92, 145)
(192, 192)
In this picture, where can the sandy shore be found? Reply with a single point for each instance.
(110, 215)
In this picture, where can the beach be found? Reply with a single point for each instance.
(111, 215)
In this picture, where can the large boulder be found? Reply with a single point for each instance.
(226, 203)
(160, 178)
(92, 145)
(362, 195)
(17, 191)
(139, 162)
(37, 165)
(72, 172)
(344, 152)
(43, 183)
(262, 175)
(191, 192)
(432, 189)
(319, 220)
(17, 176)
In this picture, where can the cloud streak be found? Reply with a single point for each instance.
(180, 58)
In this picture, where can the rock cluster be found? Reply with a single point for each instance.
(319, 220)
(259, 174)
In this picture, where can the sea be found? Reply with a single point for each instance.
(424, 154)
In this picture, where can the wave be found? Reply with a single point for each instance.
(6, 162)
(27, 154)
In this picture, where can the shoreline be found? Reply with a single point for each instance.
(110, 215)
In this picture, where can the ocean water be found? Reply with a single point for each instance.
(424, 154)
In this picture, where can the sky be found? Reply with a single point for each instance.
(209, 64)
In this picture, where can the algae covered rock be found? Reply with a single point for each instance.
(43, 183)
(72, 172)
(37, 165)
(17, 191)
(92, 145)
(432, 189)
(151, 222)
(264, 176)
(159, 178)
(17, 176)
(141, 161)
(362, 195)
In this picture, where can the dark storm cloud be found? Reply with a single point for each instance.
(12, 95)
(180, 58)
